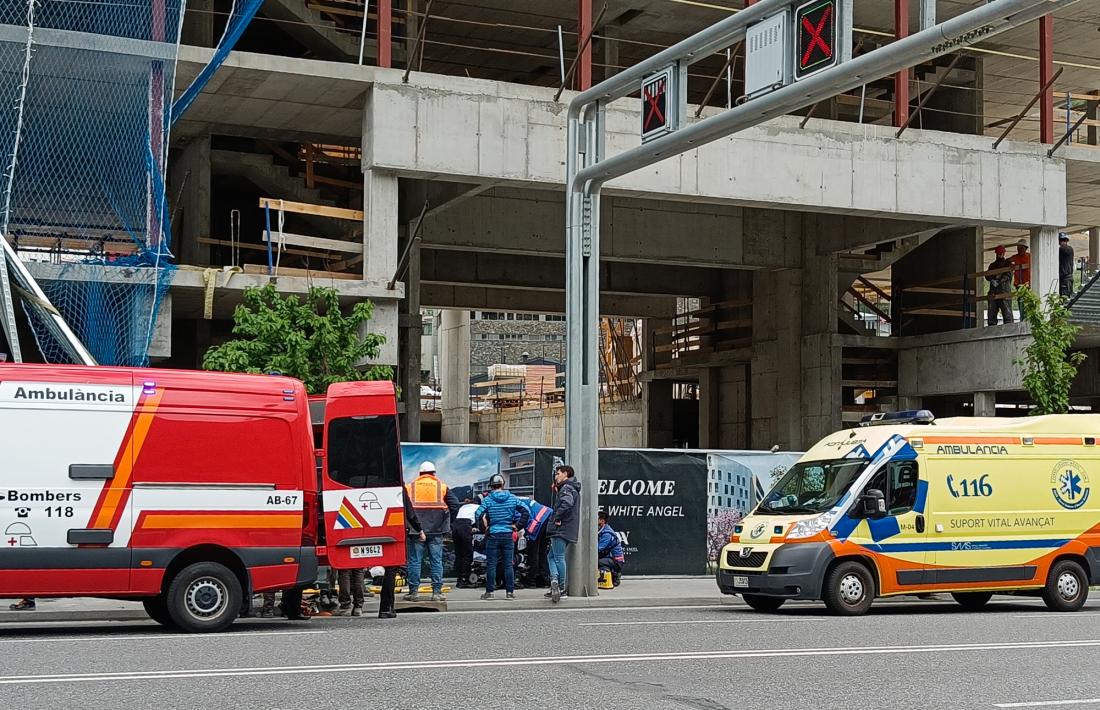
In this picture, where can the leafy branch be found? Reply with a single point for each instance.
(1048, 366)
(313, 341)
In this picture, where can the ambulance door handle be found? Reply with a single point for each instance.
(920, 523)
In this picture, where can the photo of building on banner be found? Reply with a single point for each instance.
(672, 509)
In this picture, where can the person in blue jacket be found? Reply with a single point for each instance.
(537, 543)
(498, 512)
(609, 549)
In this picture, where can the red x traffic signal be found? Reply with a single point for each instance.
(816, 29)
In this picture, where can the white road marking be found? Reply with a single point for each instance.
(772, 620)
(501, 608)
(544, 661)
(1056, 615)
(1048, 703)
(156, 637)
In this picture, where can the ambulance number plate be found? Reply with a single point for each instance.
(737, 581)
(361, 551)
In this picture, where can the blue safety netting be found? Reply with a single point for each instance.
(85, 108)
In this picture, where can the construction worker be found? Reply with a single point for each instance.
(1065, 266)
(434, 504)
(1022, 261)
(1000, 288)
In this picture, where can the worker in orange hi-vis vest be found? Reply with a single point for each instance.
(434, 504)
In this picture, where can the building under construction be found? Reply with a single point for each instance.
(778, 284)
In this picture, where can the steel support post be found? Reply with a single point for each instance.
(385, 34)
(584, 29)
(7, 307)
(927, 14)
(582, 373)
(1046, 71)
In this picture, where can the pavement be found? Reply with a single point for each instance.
(903, 654)
(633, 592)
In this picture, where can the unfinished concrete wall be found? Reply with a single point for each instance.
(941, 262)
(961, 362)
(620, 426)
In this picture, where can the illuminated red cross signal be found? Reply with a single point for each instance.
(816, 25)
(657, 106)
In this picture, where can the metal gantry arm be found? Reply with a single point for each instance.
(587, 171)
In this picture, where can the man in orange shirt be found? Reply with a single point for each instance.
(1022, 261)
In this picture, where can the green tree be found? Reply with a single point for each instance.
(313, 340)
(1048, 366)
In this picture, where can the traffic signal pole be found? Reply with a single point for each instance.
(587, 170)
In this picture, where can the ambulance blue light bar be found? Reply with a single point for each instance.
(912, 416)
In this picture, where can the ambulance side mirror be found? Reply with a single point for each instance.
(872, 504)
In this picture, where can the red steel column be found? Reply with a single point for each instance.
(1046, 71)
(385, 34)
(901, 79)
(584, 29)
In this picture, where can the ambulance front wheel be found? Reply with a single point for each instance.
(1067, 587)
(204, 597)
(762, 603)
(849, 589)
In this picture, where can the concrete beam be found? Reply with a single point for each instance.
(539, 273)
(532, 222)
(475, 129)
(836, 233)
(962, 362)
(480, 298)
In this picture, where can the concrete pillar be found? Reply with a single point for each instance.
(1094, 249)
(821, 357)
(380, 230)
(908, 404)
(710, 385)
(198, 24)
(776, 387)
(985, 404)
(411, 330)
(189, 177)
(1044, 260)
(454, 336)
(656, 397)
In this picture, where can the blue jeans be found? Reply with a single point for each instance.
(434, 546)
(557, 559)
(499, 546)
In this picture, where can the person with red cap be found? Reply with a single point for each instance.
(1000, 287)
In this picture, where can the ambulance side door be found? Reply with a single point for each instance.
(66, 451)
(899, 538)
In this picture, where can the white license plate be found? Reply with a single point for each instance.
(361, 551)
(737, 581)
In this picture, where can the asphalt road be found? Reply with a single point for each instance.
(902, 655)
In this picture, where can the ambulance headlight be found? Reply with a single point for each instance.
(809, 527)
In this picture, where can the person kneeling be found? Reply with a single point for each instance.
(609, 550)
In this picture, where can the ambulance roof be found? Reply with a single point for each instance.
(842, 443)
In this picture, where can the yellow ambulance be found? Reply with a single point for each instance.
(906, 504)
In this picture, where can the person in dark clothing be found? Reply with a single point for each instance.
(537, 544)
(498, 512)
(462, 532)
(564, 527)
(609, 550)
(412, 529)
(1000, 288)
(1065, 266)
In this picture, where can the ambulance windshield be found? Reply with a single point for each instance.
(811, 487)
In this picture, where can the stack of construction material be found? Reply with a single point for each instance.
(500, 372)
(540, 379)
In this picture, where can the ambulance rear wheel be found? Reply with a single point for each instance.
(849, 589)
(157, 610)
(972, 601)
(762, 603)
(1067, 587)
(204, 597)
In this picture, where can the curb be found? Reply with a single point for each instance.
(473, 605)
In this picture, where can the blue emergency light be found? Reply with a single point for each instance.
(912, 416)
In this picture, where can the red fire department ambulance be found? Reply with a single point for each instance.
(190, 490)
